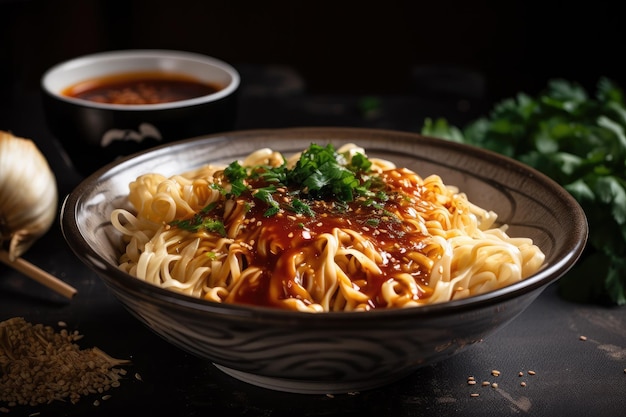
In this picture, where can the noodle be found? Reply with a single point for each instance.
(405, 241)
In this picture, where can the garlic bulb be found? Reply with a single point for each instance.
(28, 194)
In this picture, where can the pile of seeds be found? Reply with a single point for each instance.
(39, 365)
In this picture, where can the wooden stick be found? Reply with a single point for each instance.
(38, 275)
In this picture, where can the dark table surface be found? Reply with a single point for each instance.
(573, 377)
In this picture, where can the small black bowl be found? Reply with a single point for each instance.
(94, 133)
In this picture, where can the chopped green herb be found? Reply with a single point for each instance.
(373, 222)
(300, 207)
(265, 194)
(236, 174)
(321, 173)
(197, 223)
(326, 174)
(209, 207)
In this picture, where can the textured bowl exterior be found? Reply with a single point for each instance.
(331, 352)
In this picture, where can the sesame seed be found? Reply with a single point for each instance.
(473, 394)
(53, 366)
(531, 372)
(520, 374)
(523, 384)
(583, 338)
(494, 385)
(495, 372)
(472, 382)
(486, 383)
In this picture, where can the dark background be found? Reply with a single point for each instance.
(483, 49)
(405, 50)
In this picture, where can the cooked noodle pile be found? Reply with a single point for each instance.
(365, 235)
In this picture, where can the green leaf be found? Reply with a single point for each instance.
(614, 127)
(300, 207)
(265, 194)
(199, 222)
(236, 174)
(611, 192)
(615, 281)
(580, 190)
(441, 129)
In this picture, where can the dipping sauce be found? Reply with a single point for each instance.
(140, 88)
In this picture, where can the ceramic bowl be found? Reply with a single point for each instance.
(331, 352)
(95, 133)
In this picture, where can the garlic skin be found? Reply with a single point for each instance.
(28, 194)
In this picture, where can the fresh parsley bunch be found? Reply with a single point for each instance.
(580, 142)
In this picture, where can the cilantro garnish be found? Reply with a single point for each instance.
(300, 207)
(198, 223)
(265, 194)
(236, 174)
(321, 173)
(326, 174)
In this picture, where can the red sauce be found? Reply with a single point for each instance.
(295, 235)
(140, 88)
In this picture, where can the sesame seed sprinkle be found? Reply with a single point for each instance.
(39, 365)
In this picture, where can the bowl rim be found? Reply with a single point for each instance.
(535, 283)
(126, 54)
